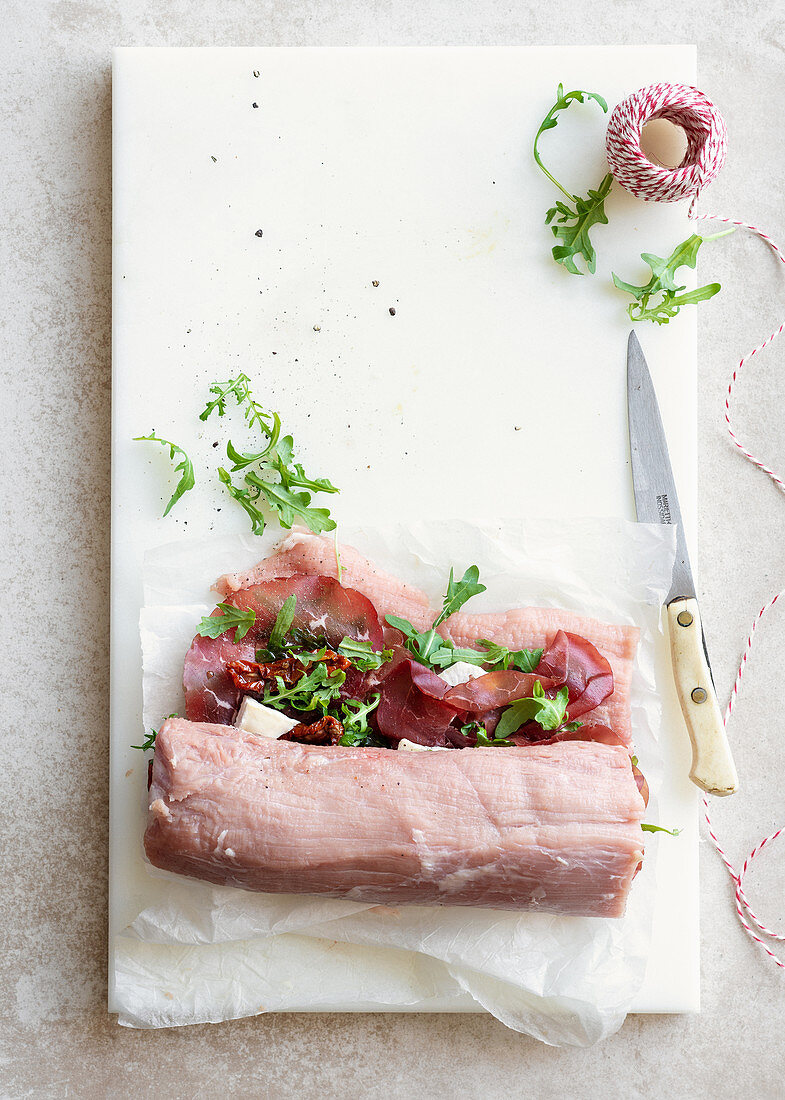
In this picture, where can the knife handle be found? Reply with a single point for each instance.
(712, 763)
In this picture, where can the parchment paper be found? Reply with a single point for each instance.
(196, 953)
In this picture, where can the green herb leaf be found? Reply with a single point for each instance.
(458, 592)
(291, 506)
(354, 716)
(184, 467)
(246, 499)
(362, 654)
(660, 829)
(149, 738)
(273, 477)
(233, 618)
(524, 660)
(572, 225)
(578, 215)
(663, 282)
(548, 713)
(315, 691)
(484, 741)
(282, 622)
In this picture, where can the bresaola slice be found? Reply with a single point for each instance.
(412, 706)
(497, 689)
(324, 609)
(574, 661)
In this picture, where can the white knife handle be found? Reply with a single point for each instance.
(712, 763)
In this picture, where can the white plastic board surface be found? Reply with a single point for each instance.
(497, 387)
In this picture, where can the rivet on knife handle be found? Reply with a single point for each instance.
(712, 763)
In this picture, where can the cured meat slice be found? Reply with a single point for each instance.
(497, 689)
(575, 661)
(537, 627)
(303, 552)
(324, 609)
(412, 706)
(553, 827)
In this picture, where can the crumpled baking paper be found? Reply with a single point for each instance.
(196, 953)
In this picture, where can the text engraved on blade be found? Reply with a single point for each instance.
(664, 508)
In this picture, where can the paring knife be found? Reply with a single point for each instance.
(656, 502)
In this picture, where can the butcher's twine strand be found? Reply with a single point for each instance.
(707, 138)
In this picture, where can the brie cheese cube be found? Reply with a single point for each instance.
(460, 673)
(254, 717)
(410, 746)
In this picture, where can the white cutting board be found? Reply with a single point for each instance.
(497, 388)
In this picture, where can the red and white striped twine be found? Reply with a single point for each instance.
(706, 134)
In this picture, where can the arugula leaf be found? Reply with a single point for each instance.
(427, 646)
(663, 281)
(660, 829)
(548, 713)
(233, 618)
(524, 660)
(362, 654)
(273, 478)
(572, 226)
(578, 215)
(483, 741)
(315, 691)
(149, 738)
(149, 741)
(246, 500)
(291, 506)
(283, 622)
(354, 715)
(458, 592)
(183, 467)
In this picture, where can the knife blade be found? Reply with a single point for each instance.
(656, 501)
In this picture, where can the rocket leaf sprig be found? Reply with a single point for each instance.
(572, 220)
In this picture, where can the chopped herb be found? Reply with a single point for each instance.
(634, 761)
(233, 618)
(663, 282)
(184, 467)
(578, 215)
(660, 829)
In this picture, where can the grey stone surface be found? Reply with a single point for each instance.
(55, 358)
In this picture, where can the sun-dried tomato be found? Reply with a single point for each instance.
(256, 675)
(327, 731)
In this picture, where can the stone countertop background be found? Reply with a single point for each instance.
(57, 1039)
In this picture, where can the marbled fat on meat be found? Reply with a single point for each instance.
(554, 828)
